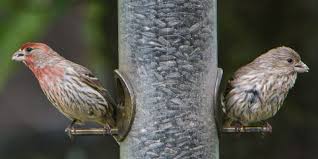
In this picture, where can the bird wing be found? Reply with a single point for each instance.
(229, 86)
(88, 77)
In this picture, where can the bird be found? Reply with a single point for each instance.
(257, 90)
(73, 89)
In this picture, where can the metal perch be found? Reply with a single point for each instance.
(264, 129)
(90, 131)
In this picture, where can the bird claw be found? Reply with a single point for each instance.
(239, 127)
(69, 130)
(108, 130)
(267, 127)
(70, 135)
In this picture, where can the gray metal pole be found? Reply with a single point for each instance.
(168, 50)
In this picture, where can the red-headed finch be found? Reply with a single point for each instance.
(70, 87)
(257, 90)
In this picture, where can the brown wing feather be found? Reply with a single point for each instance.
(90, 79)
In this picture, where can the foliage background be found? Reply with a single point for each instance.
(86, 32)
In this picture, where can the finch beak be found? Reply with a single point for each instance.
(18, 56)
(300, 67)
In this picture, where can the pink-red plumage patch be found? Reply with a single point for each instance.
(48, 75)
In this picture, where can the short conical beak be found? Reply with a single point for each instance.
(301, 67)
(18, 56)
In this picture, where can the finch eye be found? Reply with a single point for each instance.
(290, 60)
(28, 49)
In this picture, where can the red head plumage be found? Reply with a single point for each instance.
(33, 45)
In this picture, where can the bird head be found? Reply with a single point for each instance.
(283, 59)
(33, 54)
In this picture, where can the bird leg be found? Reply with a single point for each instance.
(70, 127)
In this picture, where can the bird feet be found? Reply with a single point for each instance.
(71, 128)
(108, 130)
(239, 127)
(233, 127)
(267, 127)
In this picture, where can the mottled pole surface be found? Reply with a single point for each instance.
(168, 49)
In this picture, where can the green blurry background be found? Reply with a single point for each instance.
(86, 32)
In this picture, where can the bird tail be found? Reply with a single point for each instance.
(113, 106)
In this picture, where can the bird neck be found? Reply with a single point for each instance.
(47, 75)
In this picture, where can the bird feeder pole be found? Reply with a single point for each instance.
(168, 51)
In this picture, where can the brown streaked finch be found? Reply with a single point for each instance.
(257, 90)
(70, 87)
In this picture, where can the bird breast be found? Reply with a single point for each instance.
(257, 98)
(48, 76)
